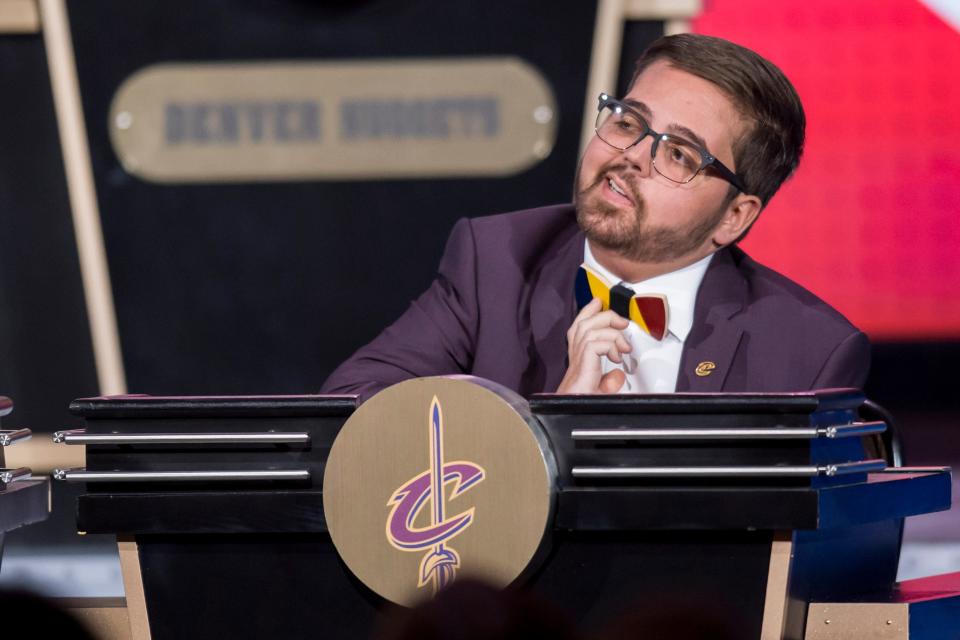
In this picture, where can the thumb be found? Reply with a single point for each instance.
(612, 381)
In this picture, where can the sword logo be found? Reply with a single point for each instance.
(439, 566)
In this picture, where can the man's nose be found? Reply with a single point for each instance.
(640, 155)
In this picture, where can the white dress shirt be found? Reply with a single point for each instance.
(653, 365)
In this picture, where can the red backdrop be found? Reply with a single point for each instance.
(871, 220)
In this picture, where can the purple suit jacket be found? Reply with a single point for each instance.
(504, 298)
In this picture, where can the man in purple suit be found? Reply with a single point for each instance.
(677, 173)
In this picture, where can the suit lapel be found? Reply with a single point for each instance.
(552, 307)
(710, 348)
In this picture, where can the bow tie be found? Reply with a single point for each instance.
(649, 312)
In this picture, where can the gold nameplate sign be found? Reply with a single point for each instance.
(437, 478)
(342, 120)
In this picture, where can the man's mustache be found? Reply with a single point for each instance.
(626, 176)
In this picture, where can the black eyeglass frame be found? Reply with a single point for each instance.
(706, 159)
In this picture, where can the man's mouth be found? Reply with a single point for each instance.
(619, 189)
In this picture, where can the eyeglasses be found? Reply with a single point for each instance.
(674, 158)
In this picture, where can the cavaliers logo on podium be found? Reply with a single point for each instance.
(440, 564)
(434, 478)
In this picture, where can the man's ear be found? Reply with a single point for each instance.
(740, 214)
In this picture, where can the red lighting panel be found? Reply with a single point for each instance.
(871, 220)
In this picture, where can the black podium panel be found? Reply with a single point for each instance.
(293, 586)
(296, 587)
(263, 586)
(203, 438)
(602, 576)
(678, 431)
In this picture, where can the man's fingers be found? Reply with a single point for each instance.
(605, 342)
(586, 367)
(594, 334)
(601, 341)
(591, 308)
(620, 347)
(602, 320)
(612, 348)
(609, 334)
(612, 381)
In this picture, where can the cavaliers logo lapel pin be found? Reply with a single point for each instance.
(705, 368)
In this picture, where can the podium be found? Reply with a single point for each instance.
(752, 505)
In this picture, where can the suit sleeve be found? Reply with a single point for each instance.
(847, 365)
(435, 336)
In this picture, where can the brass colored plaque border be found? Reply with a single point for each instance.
(325, 120)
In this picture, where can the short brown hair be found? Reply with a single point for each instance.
(769, 151)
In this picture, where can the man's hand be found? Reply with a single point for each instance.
(593, 334)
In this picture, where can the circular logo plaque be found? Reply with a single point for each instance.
(468, 441)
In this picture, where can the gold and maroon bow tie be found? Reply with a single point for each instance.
(648, 311)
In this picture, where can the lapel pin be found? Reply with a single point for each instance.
(705, 368)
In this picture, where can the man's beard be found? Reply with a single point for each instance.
(615, 229)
